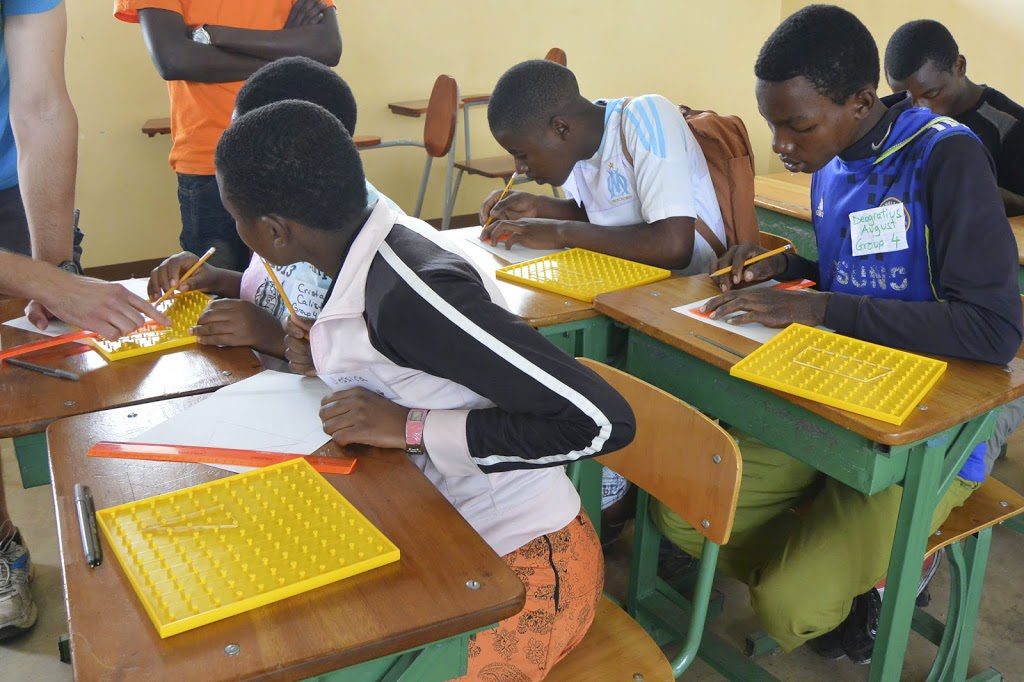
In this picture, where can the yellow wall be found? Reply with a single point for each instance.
(698, 53)
(393, 50)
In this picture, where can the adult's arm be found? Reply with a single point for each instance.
(45, 128)
(178, 58)
(980, 316)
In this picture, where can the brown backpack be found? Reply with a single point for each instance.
(730, 159)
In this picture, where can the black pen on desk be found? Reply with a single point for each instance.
(48, 371)
(87, 525)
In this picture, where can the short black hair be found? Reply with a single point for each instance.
(530, 93)
(299, 78)
(293, 159)
(917, 42)
(825, 44)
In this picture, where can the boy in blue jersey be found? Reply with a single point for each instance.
(945, 283)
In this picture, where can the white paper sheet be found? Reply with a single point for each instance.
(136, 285)
(273, 411)
(517, 254)
(755, 331)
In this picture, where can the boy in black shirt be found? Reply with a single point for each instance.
(923, 59)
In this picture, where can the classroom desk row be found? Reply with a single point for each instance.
(783, 202)
(922, 454)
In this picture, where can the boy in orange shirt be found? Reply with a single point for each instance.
(205, 49)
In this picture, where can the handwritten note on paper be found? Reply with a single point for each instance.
(878, 230)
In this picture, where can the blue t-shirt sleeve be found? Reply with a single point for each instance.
(13, 8)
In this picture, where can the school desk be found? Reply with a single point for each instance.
(31, 400)
(574, 326)
(405, 621)
(923, 454)
(162, 126)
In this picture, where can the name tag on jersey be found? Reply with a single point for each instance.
(878, 230)
(342, 381)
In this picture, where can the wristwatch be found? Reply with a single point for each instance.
(201, 35)
(71, 266)
(414, 431)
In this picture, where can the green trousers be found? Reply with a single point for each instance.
(803, 569)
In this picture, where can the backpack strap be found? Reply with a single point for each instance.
(933, 123)
(699, 225)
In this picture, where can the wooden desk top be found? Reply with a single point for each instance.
(1017, 225)
(786, 193)
(417, 107)
(539, 308)
(156, 126)
(31, 400)
(421, 599)
(966, 390)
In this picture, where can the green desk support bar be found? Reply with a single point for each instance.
(437, 662)
(33, 461)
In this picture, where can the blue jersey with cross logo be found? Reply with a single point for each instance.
(894, 177)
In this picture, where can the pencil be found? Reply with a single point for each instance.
(48, 371)
(503, 195)
(277, 285)
(188, 273)
(755, 259)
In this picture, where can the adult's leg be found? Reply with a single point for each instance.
(205, 223)
(840, 549)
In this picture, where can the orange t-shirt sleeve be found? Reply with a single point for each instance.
(128, 10)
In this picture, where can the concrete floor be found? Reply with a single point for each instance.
(1000, 633)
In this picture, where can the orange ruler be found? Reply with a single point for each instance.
(205, 455)
(46, 343)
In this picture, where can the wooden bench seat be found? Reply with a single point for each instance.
(992, 503)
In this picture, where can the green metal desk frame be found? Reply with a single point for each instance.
(435, 662)
(925, 469)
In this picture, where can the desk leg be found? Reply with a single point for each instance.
(916, 509)
(589, 338)
(32, 459)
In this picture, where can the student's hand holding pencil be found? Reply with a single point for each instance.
(514, 206)
(208, 278)
(741, 272)
(296, 346)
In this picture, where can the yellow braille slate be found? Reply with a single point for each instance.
(850, 374)
(184, 309)
(581, 274)
(218, 549)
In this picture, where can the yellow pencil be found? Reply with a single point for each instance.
(188, 273)
(277, 285)
(755, 259)
(503, 195)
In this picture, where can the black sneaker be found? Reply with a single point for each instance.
(829, 645)
(860, 628)
(672, 561)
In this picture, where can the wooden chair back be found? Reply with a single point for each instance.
(442, 111)
(679, 456)
(556, 55)
(773, 241)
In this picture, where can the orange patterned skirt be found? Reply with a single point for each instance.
(563, 573)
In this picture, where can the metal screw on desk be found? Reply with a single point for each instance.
(653, 293)
(717, 459)
(226, 373)
(938, 533)
(473, 584)
(705, 523)
(1004, 503)
(69, 403)
(923, 408)
(567, 303)
(232, 649)
(638, 677)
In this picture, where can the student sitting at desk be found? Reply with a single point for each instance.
(923, 58)
(485, 406)
(637, 180)
(252, 312)
(948, 288)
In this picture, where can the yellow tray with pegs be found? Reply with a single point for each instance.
(854, 375)
(215, 550)
(184, 309)
(581, 274)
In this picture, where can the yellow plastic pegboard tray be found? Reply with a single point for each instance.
(184, 309)
(201, 554)
(854, 375)
(581, 274)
